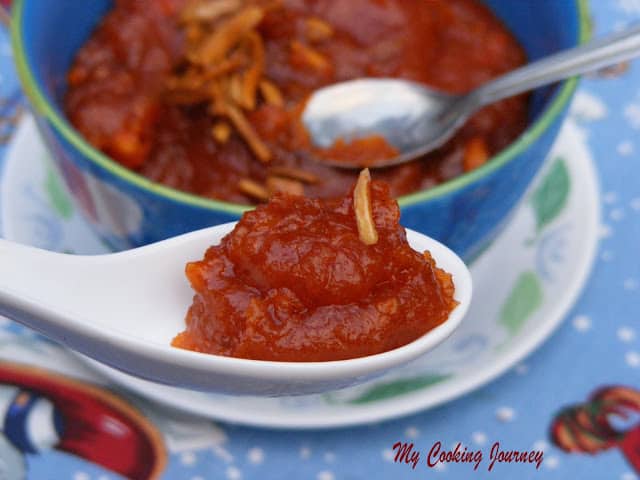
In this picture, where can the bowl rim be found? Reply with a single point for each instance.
(43, 107)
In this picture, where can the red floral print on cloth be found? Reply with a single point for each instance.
(587, 428)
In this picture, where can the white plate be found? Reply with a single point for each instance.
(524, 284)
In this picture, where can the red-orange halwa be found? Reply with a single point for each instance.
(204, 95)
(304, 279)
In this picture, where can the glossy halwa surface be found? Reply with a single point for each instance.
(294, 282)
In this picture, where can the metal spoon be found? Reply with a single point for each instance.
(123, 310)
(416, 119)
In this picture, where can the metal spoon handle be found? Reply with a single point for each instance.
(599, 53)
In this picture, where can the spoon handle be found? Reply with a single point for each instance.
(86, 302)
(603, 52)
(31, 280)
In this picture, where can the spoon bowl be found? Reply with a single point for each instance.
(123, 310)
(412, 117)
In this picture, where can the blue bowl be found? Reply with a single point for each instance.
(128, 210)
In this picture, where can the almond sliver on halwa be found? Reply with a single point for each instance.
(224, 67)
(285, 185)
(247, 132)
(221, 131)
(476, 154)
(294, 174)
(227, 36)
(253, 189)
(234, 89)
(271, 93)
(364, 210)
(208, 10)
(251, 77)
(317, 30)
(304, 55)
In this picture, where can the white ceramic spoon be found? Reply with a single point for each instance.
(123, 310)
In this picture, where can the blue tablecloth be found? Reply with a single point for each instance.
(598, 346)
